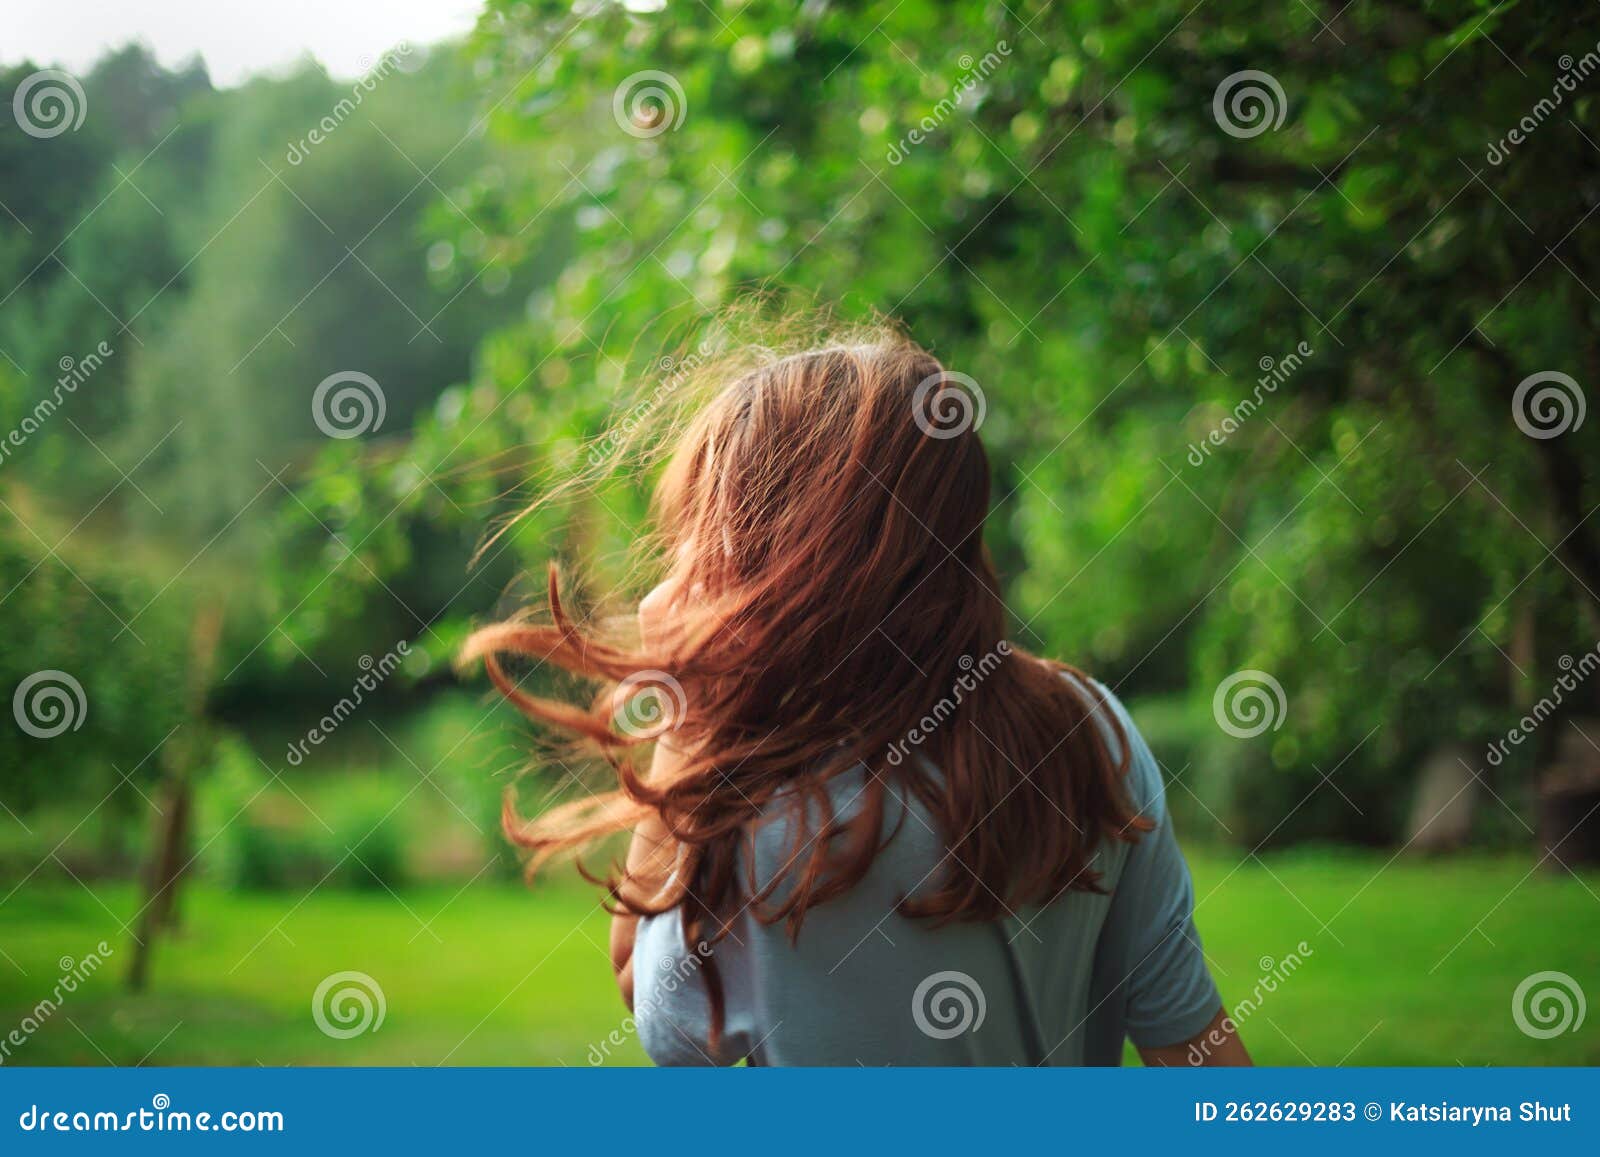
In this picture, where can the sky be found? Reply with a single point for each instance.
(235, 39)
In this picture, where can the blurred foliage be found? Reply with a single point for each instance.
(85, 620)
(1043, 193)
(185, 270)
(1078, 233)
(410, 793)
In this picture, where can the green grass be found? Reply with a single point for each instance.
(1414, 963)
(492, 975)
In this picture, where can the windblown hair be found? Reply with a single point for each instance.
(825, 512)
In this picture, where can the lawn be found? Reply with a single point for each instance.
(1413, 962)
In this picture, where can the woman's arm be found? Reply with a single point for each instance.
(652, 853)
(650, 846)
(650, 860)
(1172, 1013)
(1217, 1045)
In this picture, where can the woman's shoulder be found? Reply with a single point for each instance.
(1117, 726)
(779, 836)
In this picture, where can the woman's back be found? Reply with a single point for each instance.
(1061, 983)
(990, 878)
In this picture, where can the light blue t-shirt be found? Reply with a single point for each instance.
(1061, 984)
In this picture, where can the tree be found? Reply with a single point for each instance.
(1249, 297)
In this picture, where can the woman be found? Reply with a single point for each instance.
(871, 829)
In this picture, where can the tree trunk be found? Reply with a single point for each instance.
(1562, 471)
(162, 876)
(183, 756)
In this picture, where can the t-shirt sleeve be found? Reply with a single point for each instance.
(1169, 995)
(671, 1007)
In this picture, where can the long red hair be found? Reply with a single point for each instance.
(826, 509)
